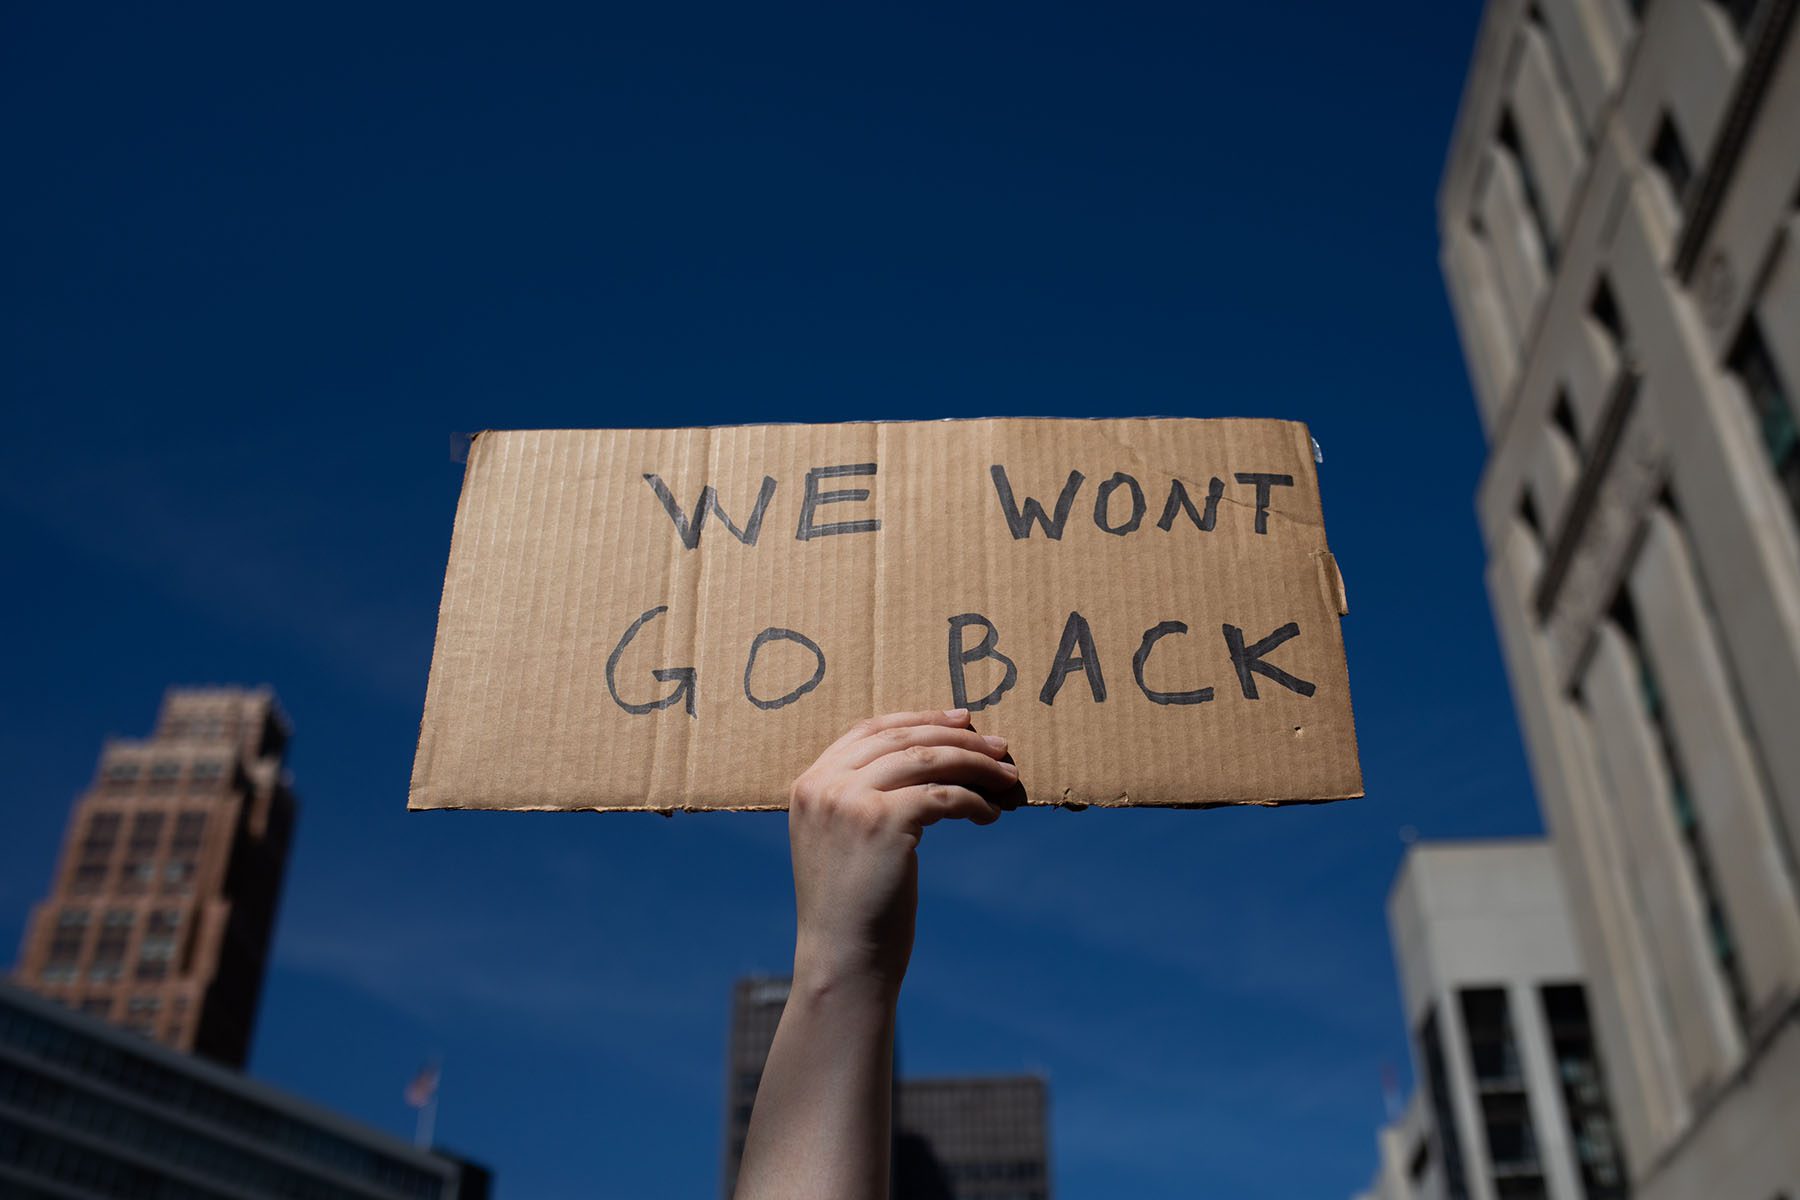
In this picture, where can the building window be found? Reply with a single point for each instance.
(96, 1006)
(1443, 1113)
(1718, 926)
(95, 850)
(1671, 160)
(1585, 1101)
(146, 833)
(1505, 1111)
(120, 776)
(1508, 136)
(1605, 311)
(1420, 1161)
(1528, 514)
(206, 775)
(178, 877)
(1487, 1024)
(190, 827)
(1771, 405)
(109, 947)
(164, 774)
(1740, 13)
(1562, 415)
(139, 868)
(71, 932)
(157, 950)
(101, 832)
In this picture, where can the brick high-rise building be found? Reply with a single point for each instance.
(163, 904)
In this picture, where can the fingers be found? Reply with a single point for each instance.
(939, 764)
(949, 717)
(928, 803)
(862, 753)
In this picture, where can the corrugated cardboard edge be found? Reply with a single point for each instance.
(416, 799)
(1122, 804)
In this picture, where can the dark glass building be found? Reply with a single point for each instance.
(90, 1110)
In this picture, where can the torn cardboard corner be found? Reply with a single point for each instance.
(672, 619)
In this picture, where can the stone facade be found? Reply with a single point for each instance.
(1620, 239)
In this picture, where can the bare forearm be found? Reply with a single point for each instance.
(820, 1130)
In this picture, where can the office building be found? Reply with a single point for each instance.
(163, 903)
(90, 1110)
(1510, 1095)
(957, 1138)
(977, 1137)
(756, 1005)
(1618, 234)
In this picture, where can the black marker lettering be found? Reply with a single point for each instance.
(1020, 522)
(1249, 660)
(1120, 479)
(1151, 637)
(814, 498)
(709, 502)
(1076, 636)
(1263, 484)
(986, 648)
(681, 677)
(783, 635)
(1179, 503)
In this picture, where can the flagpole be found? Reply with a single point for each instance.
(426, 1124)
(427, 1120)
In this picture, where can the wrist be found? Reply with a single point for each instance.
(831, 975)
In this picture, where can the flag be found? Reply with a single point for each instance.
(423, 1086)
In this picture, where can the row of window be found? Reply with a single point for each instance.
(61, 1161)
(145, 843)
(110, 942)
(202, 728)
(168, 1144)
(1751, 362)
(165, 1087)
(1667, 154)
(163, 774)
(1720, 938)
(101, 833)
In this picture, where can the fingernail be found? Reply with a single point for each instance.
(956, 714)
(998, 743)
(1009, 769)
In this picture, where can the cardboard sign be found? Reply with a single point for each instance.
(670, 619)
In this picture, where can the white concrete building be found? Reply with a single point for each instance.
(1619, 236)
(1510, 1098)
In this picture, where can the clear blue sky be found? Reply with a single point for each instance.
(262, 261)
